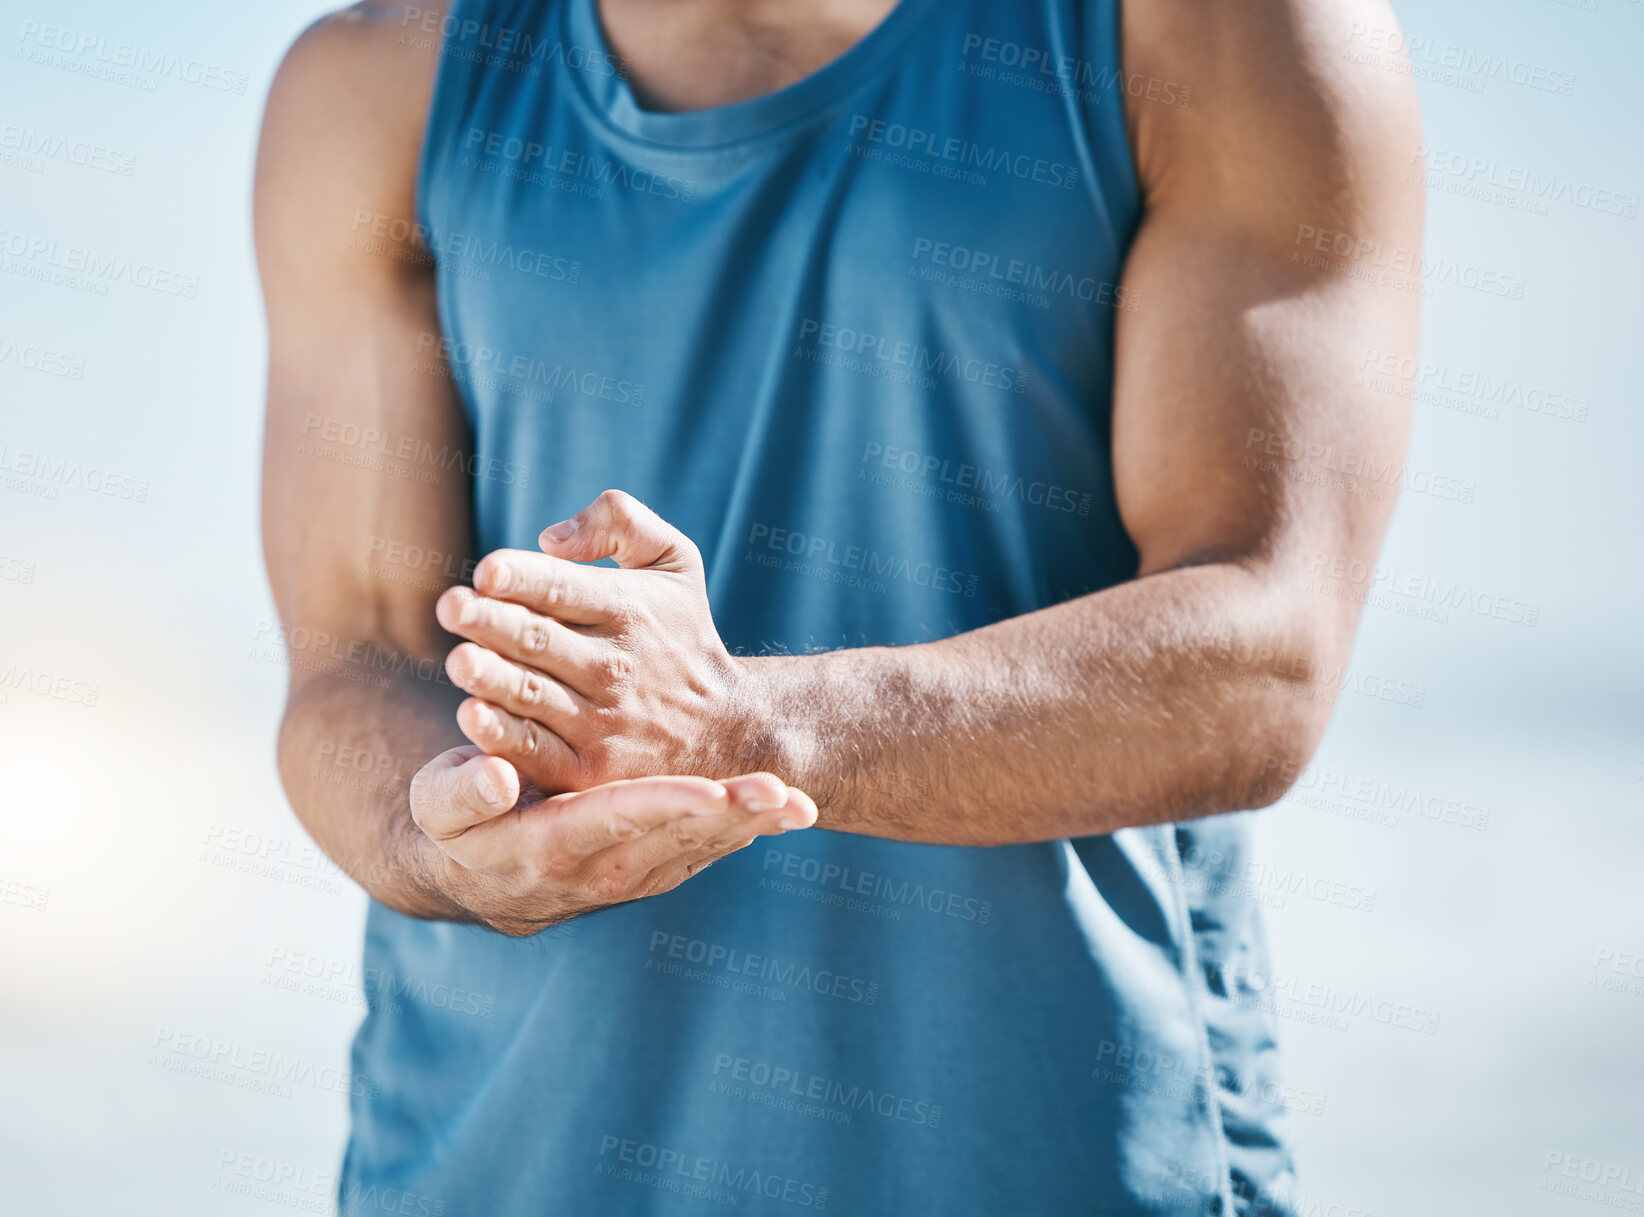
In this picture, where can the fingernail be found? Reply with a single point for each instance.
(762, 805)
(487, 788)
(560, 532)
(499, 575)
(788, 824)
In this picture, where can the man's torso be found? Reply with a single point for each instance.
(855, 339)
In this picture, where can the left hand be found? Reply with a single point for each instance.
(579, 674)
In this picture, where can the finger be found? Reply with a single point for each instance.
(520, 690)
(567, 591)
(518, 633)
(459, 789)
(617, 525)
(529, 746)
(754, 811)
(766, 792)
(759, 791)
(585, 823)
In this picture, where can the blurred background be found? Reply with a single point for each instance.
(1466, 1028)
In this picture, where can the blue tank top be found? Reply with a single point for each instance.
(855, 338)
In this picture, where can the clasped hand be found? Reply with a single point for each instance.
(591, 690)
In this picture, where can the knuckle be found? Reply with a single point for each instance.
(616, 667)
(682, 836)
(610, 884)
(603, 722)
(527, 740)
(533, 636)
(532, 690)
(557, 593)
(661, 880)
(556, 867)
(624, 828)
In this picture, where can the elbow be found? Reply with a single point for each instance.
(1263, 774)
(1276, 724)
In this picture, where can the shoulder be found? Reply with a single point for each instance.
(1287, 113)
(342, 128)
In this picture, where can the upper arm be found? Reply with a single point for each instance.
(359, 407)
(1240, 433)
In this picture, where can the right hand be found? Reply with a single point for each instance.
(522, 864)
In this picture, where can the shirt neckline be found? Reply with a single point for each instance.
(611, 97)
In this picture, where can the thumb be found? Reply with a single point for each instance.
(617, 525)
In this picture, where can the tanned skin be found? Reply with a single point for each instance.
(1193, 689)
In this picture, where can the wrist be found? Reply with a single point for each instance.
(764, 727)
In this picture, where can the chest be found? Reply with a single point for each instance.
(684, 55)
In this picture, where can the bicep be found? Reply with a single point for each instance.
(1243, 427)
(365, 490)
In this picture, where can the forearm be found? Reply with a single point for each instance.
(347, 754)
(1155, 700)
